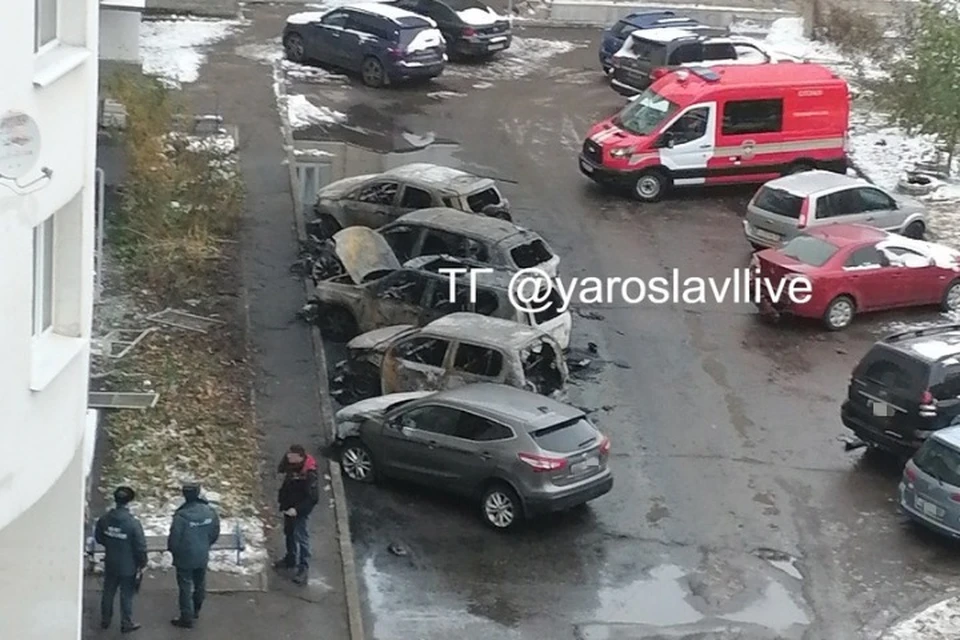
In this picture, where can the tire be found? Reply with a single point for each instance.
(951, 297)
(356, 461)
(336, 323)
(650, 186)
(372, 73)
(915, 230)
(840, 313)
(798, 167)
(293, 48)
(326, 265)
(500, 507)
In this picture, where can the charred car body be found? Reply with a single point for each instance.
(450, 352)
(373, 200)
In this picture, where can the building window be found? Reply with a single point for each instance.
(43, 281)
(46, 16)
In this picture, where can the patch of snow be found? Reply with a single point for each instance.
(478, 17)
(172, 49)
(937, 622)
(786, 35)
(525, 57)
(418, 141)
(943, 256)
(305, 17)
(884, 152)
(301, 113)
(310, 75)
(425, 39)
(327, 5)
(442, 95)
(221, 144)
(389, 11)
(264, 52)
(312, 153)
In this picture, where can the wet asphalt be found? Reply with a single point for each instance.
(736, 512)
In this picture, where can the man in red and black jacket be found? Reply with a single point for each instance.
(298, 495)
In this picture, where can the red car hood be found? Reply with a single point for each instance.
(606, 133)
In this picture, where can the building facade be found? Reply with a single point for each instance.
(46, 274)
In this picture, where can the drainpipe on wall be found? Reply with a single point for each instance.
(98, 248)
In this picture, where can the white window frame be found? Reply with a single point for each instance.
(38, 11)
(44, 243)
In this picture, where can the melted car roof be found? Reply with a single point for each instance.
(468, 326)
(470, 223)
(437, 175)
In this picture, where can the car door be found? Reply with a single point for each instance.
(688, 144)
(475, 363)
(396, 299)
(323, 41)
(404, 239)
(438, 302)
(879, 209)
(475, 451)
(923, 280)
(372, 205)
(413, 197)
(360, 28)
(846, 207)
(414, 363)
(828, 208)
(876, 283)
(411, 443)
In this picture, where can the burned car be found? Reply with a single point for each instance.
(373, 200)
(441, 231)
(376, 291)
(452, 351)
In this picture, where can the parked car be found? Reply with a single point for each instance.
(441, 231)
(784, 207)
(384, 44)
(930, 487)
(648, 55)
(373, 200)
(905, 389)
(471, 28)
(613, 37)
(457, 349)
(519, 454)
(376, 291)
(856, 269)
(735, 124)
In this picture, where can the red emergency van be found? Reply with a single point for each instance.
(722, 125)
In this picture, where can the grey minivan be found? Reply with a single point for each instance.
(784, 207)
(518, 453)
(930, 488)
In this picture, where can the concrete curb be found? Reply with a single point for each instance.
(351, 585)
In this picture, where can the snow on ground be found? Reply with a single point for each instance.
(525, 56)
(173, 49)
(271, 53)
(301, 113)
(938, 622)
(786, 36)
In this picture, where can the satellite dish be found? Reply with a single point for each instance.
(19, 144)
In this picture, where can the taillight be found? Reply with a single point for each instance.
(604, 445)
(469, 31)
(542, 463)
(928, 405)
(804, 213)
(927, 398)
(955, 497)
(395, 54)
(910, 474)
(658, 73)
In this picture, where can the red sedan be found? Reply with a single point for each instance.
(855, 269)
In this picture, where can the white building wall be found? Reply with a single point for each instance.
(43, 380)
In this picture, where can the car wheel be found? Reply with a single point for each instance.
(915, 230)
(372, 72)
(650, 186)
(326, 265)
(839, 313)
(336, 323)
(293, 48)
(500, 507)
(356, 461)
(951, 297)
(798, 167)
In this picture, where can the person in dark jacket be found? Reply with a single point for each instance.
(298, 495)
(125, 546)
(195, 527)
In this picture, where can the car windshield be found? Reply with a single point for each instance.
(486, 198)
(460, 5)
(566, 437)
(809, 250)
(644, 114)
(940, 461)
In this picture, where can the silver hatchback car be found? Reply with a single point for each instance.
(517, 453)
(783, 208)
(930, 488)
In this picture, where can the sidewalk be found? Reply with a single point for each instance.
(287, 389)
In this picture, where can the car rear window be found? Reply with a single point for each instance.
(482, 199)
(778, 201)
(622, 29)
(809, 250)
(940, 461)
(530, 254)
(566, 437)
(408, 33)
(891, 369)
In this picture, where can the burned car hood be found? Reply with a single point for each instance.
(378, 339)
(376, 407)
(339, 188)
(363, 251)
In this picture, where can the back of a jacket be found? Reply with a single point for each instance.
(122, 537)
(196, 526)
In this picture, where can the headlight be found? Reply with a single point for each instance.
(621, 152)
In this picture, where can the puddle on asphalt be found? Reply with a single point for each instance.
(776, 610)
(658, 600)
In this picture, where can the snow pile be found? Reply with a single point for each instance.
(425, 39)
(478, 17)
(938, 622)
(305, 17)
(301, 113)
(884, 152)
(525, 57)
(173, 49)
(786, 36)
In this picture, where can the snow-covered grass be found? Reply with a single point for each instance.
(173, 49)
(271, 53)
(525, 57)
(937, 622)
(301, 113)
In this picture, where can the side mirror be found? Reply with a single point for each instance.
(884, 260)
(667, 140)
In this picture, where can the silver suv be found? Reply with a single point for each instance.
(518, 453)
(784, 207)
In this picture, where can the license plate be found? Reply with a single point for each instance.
(766, 235)
(928, 508)
(881, 409)
(496, 46)
(586, 166)
(586, 465)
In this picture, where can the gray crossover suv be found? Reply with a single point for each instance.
(518, 453)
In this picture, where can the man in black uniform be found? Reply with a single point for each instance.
(297, 497)
(122, 538)
(195, 527)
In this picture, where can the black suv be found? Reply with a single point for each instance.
(907, 386)
(471, 28)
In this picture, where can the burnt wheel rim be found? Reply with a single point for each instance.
(499, 510)
(372, 72)
(648, 187)
(356, 463)
(953, 297)
(295, 48)
(841, 313)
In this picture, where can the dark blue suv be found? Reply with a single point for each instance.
(383, 43)
(614, 37)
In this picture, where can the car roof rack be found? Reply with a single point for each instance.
(919, 333)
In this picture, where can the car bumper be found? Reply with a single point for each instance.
(482, 46)
(926, 521)
(623, 88)
(537, 505)
(601, 174)
(877, 437)
(401, 73)
(757, 240)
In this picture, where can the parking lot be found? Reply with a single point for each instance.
(736, 511)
